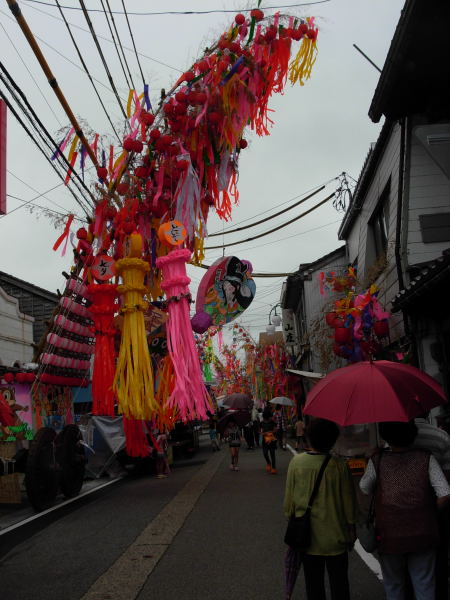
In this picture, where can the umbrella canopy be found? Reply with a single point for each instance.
(372, 392)
(282, 400)
(242, 417)
(237, 401)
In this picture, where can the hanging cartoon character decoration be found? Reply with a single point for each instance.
(225, 291)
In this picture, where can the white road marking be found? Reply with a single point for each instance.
(291, 449)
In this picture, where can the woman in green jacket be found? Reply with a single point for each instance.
(333, 513)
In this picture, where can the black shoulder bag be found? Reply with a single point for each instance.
(298, 532)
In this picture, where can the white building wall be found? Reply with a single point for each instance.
(16, 331)
(359, 238)
(429, 193)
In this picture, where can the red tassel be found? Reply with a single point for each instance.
(136, 442)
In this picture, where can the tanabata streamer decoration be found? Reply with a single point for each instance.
(103, 307)
(359, 322)
(189, 393)
(133, 382)
(225, 291)
(176, 164)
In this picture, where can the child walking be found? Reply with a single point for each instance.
(233, 434)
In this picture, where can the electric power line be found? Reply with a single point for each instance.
(80, 56)
(120, 43)
(30, 74)
(191, 12)
(44, 140)
(26, 203)
(101, 37)
(255, 237)
(102, 56)
(324, 184)
(134, 45)
(54, 145)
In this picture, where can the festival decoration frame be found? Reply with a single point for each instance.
(176, 165)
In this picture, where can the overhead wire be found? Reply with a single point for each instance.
(80, 56)
(44, 134)
(194, 12)
(128, 81)
(270, 217)
(119, 42)
(278, 240)
(102, 57)
(255, 237)
(43, 195)
(32, 137)
(31, 75)
(74, 64)
(134, 45)
(26, 203)
(324, 184)
(101, 37)
(49, 141)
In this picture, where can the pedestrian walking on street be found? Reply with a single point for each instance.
(281, 425)
(162, 463)
(437, 441)
(257, 415)
(406, 482)
(233, 435)
(213, 435)
(269, 441)
(299, 435)
(249, 435)
(333, 515)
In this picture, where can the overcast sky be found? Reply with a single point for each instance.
(320, 129)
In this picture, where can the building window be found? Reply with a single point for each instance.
(379, 224)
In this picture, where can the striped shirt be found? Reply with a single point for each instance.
(435, 440)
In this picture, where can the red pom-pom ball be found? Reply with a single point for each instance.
(243, 143)
(257, 14)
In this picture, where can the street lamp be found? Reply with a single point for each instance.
(275, 320)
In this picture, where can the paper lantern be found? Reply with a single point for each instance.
(330, 318)
(342, 335)
(381, 329)
(225, 291)
(172, 233)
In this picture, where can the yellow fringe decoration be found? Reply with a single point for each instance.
(300, 68)
(198, 255)
(133, 382)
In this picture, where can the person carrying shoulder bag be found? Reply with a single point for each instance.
(333, 512)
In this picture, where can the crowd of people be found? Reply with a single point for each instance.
(411, 494)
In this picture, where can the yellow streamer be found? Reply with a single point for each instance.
(133, 382)
(300, 68)
(130, 100)
(73, 145)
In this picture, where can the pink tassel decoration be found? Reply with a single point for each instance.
(189, 394)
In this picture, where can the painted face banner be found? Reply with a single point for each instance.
(225, 291)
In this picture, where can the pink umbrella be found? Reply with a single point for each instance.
(371, 392)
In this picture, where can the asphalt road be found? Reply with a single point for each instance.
(204, 532)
